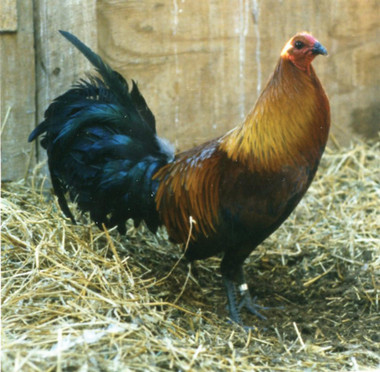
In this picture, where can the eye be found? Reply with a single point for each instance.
(299, 44)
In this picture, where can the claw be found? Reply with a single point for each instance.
(250, 304)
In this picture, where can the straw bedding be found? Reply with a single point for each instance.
(75, 298)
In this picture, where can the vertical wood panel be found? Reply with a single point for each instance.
(8, 16)
(58, 63)
(17, 94)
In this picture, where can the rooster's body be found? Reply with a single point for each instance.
(103, 148)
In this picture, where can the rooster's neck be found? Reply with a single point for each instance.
(288, 125)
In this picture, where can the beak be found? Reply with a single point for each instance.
(318, 48)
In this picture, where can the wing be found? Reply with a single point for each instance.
(189, 187)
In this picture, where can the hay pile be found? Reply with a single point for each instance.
(78, 299)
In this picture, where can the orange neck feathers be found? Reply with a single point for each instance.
(288, 125)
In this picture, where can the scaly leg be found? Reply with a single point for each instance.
(246, 299)
(235, 284)
(233, 306)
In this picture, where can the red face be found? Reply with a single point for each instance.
(302, 49)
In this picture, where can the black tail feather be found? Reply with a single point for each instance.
(102, 147)
(114, 81)
(59, 191)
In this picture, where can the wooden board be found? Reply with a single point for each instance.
(27, 88)
(8, 16)
(17, 80)
(58, 63)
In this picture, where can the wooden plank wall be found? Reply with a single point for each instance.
(36, 66)
(199, 64)
(59, 65)
(17, 93)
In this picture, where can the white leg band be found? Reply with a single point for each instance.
(243, 287)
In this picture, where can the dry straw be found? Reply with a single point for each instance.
(75, 298)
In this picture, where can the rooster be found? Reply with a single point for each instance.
(103, 151)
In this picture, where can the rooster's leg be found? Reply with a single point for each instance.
(231, 268)
(246, 299)
(233, 305)
(235, 284)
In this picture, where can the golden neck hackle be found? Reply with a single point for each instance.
(284, 127)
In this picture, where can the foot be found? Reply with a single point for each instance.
(246, 301)
(250, 304)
